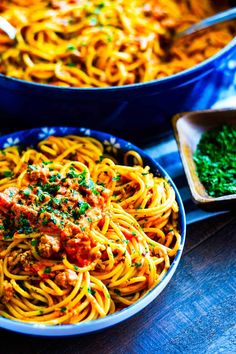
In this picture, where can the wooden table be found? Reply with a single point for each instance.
(194, 314)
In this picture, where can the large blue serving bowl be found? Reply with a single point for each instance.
(118, 147)
(133, 111)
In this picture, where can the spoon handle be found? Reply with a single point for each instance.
(210, 21)
(6, 27)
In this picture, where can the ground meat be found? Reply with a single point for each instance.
(6, 198)
(26, 258)
(49, 245)
(22, 260)
(8, 292)
(3, 245)
(41, 173)
(67, 278)
(22, 210)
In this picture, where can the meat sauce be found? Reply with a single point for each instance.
(62, 208)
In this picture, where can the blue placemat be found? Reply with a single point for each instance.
(166, 151)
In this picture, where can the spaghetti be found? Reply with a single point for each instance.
(99, 43)
(81, 236)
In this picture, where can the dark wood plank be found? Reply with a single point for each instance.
(194, 314)
(201, 231)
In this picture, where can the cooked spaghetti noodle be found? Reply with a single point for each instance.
(99, 43)
(81, 236)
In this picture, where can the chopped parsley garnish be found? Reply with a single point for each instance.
(24, 225)
(8, 236)
(8, 173)
(71, 65)
(83, 207)
(26, 192)
(45, 221)
(34, 242)
(63, 309)
(31, 168)
(42, 198)
(215, 161)
(47, 270)
(137, 264)
(117, 292)
(54, 178)
(94, 191)
(82, 177)
(109, 38)
(117, 178)
(56, 201)
(71, 47)
(72, 174)
(125, 241)
(91, 291)
(53, 220)
(51, 188)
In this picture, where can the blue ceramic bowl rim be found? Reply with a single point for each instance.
(118, 317)
(124, 88)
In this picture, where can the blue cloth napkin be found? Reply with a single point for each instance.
(166, 151)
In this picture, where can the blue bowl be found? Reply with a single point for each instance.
(31, 137)
(133, 111)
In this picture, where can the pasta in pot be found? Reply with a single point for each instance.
(81, 236)
(99, 43)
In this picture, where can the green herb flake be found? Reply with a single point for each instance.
(94, 191)
(45, 221)
(137, 264)
(47, 270)
(71, 47)
(8, 174)
(63, 309)
(71, 65)
(26, 192)
(117, 292)
(83, 207)
(34, 242)
(54, 178)
(117, 178)
(53, 219)
(91, 291)
(109, 38)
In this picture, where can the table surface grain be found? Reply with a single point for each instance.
(194, 314)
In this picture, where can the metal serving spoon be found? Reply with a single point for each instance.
(227, 15)
(208, 22)
(6, 27)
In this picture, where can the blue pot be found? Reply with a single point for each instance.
(134, 111)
